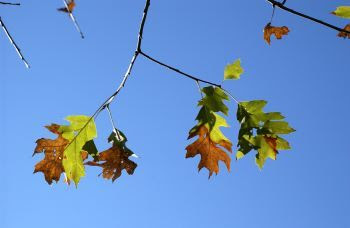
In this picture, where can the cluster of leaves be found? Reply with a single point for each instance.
(211, 141)
(259, 131)
(279, 32)
(74, 144)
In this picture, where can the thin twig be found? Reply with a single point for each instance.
(9, 3)
(273, 14)
(177, 70)
(228, 93)
(115, 130)
(281, 6)
(18, 50)
(75, 22)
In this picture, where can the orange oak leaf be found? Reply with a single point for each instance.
(210, 153)
(51, 165)
(114, 160)
(277, 31)
(69, 9)
(344, 34)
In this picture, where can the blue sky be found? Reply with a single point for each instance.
(305, 76)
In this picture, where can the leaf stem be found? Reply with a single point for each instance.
(228, 93)
(18, 50)
(281, 6)
(115, 130)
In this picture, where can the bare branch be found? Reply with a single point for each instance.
(18, 50)
(126, 75)
(9, 3)
(281, 6)
(178, 71)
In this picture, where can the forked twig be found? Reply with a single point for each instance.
(18, 50)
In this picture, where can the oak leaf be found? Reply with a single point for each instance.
(69, 8)
(277, 31)
(113, 161)
(51, 166)
(210, 153)
(344, 34)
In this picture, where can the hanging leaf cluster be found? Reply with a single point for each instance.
(211, 144)
(260, 131)
(73, 145)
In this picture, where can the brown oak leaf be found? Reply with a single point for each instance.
(277, 31)
(113, 161)
(210, 153)
(51, 165)
(69, 9)
(344, 34)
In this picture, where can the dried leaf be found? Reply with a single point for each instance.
(277, 31)
(51, 165)
(210, 153)
(344, 34)
(69, 9)
(113, 161)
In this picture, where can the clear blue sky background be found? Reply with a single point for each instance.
(305, 76)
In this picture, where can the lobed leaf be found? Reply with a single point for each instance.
(342, 11)
(233, 70)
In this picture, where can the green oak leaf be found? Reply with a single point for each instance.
(278, 127)
(260, 131)
(233, 70)
(120, 141)
(342, 11)
(214, 99)
(215, 133)
(91, 148)
(84, 131)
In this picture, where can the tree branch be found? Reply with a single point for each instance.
(109, 100)
(9, 3)
(18, 50)
(281, 6)
(75, 22)
(178, 71)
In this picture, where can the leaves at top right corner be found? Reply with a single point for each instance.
(343, 12)
(279, 32)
